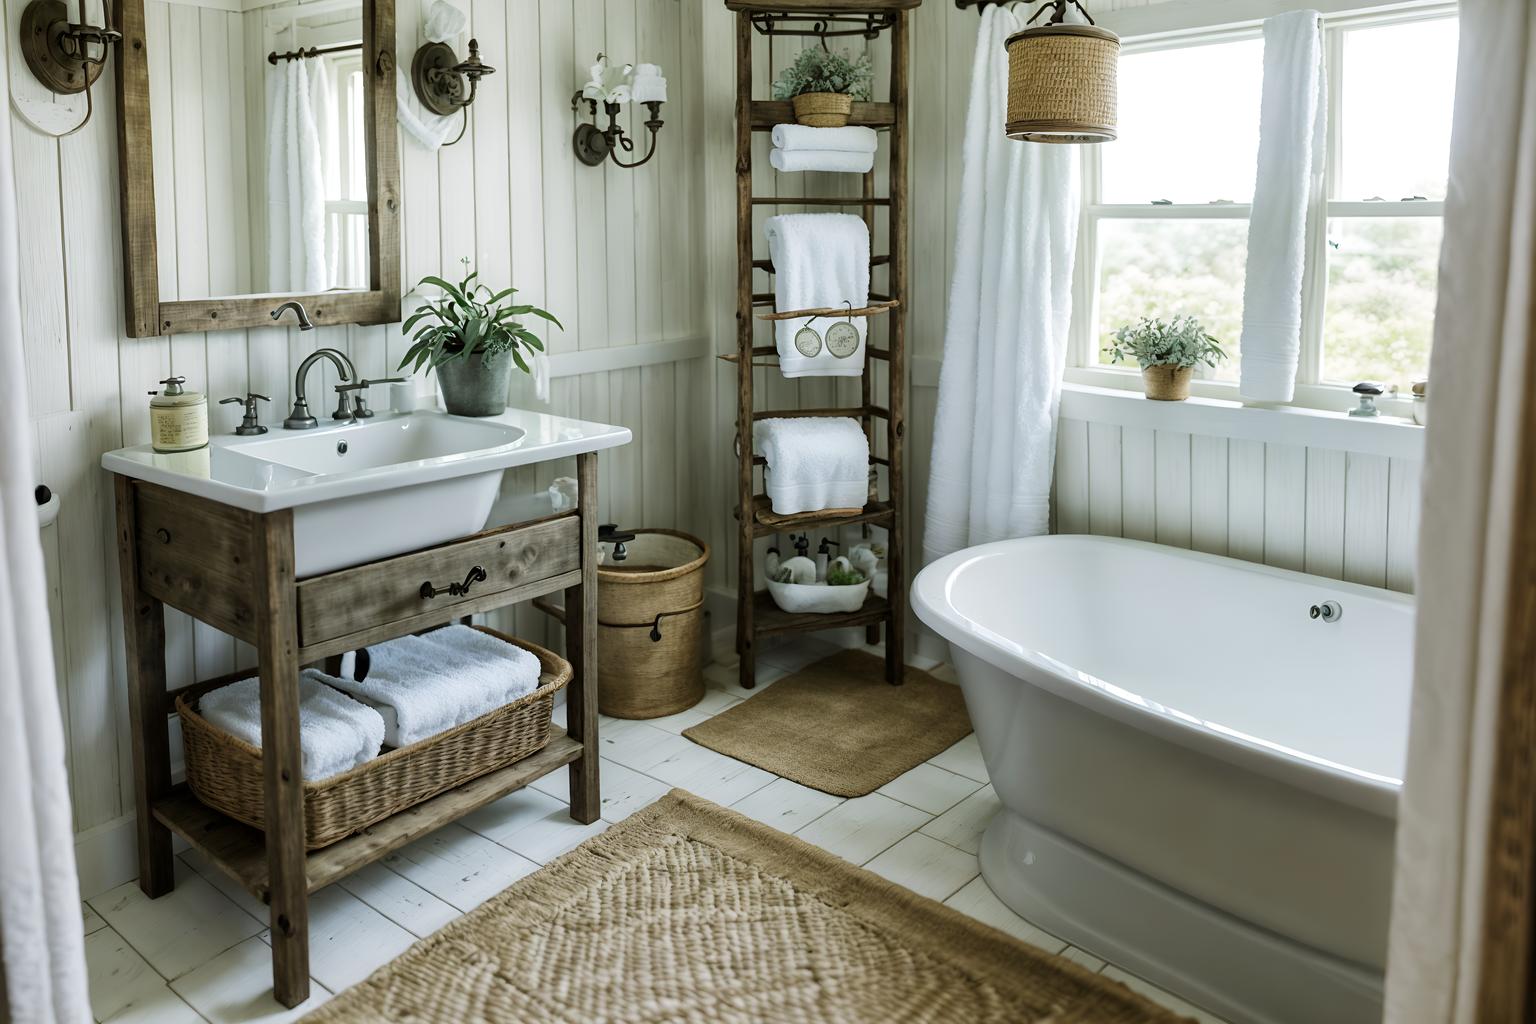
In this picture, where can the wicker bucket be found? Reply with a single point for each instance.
(226, 773)
(1166, 382)
(823, 109)
(650, 613)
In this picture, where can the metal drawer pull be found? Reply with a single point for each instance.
(476, 575)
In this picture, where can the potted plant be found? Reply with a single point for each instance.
(823, 85)
(471, 338)
(1167, 351)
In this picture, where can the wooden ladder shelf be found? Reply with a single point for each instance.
(884, 424)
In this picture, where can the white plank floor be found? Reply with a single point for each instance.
(201, 953)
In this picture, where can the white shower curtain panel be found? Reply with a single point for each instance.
(41, 939)
(296, 250)
(1485, 338)
(1010, 304)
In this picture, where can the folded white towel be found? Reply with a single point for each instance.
(850, 139)
(814, 462)
(336, 733)
(424, 685)
(836, 161)
(1292, 128)
(820, 261)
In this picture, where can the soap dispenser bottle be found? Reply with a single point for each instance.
(178, 418)
(823, 557)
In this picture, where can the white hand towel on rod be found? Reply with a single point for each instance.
(834, 160)
(336, 733)
(814, 462)
(1292, 123)
(820, 261)
(848, 139)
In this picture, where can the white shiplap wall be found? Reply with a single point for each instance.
(614, 253)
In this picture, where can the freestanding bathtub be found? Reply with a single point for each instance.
(1199, 778)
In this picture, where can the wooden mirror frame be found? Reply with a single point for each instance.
(147, 315)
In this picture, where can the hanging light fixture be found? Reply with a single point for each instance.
(1061, 79)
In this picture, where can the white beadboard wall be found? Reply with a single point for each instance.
(614, 253)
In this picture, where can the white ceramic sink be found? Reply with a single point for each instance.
(364, 491)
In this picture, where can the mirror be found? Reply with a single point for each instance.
(259, 162)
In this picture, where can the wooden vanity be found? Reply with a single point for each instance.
(235, 570)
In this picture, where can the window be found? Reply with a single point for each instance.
(1166, 209)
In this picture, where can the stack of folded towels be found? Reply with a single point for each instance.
(797, 147)
(414, 687)
(814, 462)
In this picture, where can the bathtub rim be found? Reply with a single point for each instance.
(1356, 787)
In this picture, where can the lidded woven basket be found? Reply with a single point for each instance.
(1061, 84)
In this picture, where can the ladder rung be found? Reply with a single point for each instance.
(767, 265)
(820, 201)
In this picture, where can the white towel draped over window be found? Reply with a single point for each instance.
(1292, 126)
(1005, 339)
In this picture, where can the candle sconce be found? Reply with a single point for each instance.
(59, 51)
(439, 77)
(593, 145)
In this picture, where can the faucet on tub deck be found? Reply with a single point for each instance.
(300, 418)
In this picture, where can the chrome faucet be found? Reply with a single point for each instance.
(301, 418)
(305, 324)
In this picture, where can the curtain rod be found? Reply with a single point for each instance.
(313, 51)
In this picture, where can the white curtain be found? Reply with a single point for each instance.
(1485, 337)
(1010, 305)
(41, 937)
(296, 250)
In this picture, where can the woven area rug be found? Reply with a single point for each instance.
(690, 912)
(839, 727)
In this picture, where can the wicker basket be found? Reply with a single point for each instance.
(1062, 84)
(823, 109)
(1166, 382)
(226, 773)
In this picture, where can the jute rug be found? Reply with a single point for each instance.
(690, 912)
(839, 727)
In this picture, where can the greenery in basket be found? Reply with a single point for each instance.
(844, 578)
(1153, 341)
(818, 70)
(469, 318)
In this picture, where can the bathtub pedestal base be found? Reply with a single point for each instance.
(1230, 967)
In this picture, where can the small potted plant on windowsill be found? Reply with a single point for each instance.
(471, 338)
(1167, 352)
(822, 85)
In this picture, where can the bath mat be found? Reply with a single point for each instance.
(839, 727)
(690, 912)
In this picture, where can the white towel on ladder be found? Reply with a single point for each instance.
(820, 261)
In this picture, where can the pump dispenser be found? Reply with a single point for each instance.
(178, 419)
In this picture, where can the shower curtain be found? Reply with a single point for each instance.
(42, 949)
(1484, 342)
(298, 104)
(1005, 339)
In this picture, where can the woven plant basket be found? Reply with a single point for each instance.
(1062, 84)
(225, 773)
(823, 109)
(1166, 382)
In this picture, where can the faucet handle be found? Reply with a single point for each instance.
(360, 410)
(249, 426)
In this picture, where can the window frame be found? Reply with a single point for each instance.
(1311, 391)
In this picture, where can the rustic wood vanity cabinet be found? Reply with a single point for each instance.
(234, 569)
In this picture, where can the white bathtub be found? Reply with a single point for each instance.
(1199, 780)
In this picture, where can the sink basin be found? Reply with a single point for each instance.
(365, 491)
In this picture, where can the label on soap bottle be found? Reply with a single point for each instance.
(182, 428)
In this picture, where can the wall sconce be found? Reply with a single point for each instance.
(439, 78)
(58, 51)
(642, 84)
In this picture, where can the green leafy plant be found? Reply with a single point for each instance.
(1153, 341)
(844, 578)
(469, 318)
(818, 70)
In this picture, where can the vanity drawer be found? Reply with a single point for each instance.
(429, 587)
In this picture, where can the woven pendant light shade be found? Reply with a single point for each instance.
(1061, 83)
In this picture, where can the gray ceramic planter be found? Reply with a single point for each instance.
(476, 386)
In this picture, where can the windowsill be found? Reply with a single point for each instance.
(1387, 435)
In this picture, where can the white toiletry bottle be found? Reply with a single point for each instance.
(823, 556)
(178, 419)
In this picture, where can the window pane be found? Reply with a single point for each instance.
(1167, 268)
(1381, 298)
(1399, 81)
(1189, 125)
